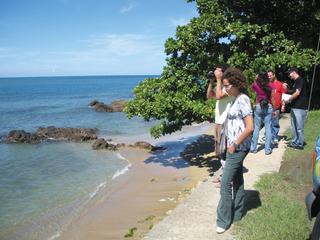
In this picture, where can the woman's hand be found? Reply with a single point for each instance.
(232, 149)
(218, 74)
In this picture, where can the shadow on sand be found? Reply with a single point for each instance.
(185, 152)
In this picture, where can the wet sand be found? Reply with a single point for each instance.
(140, 198)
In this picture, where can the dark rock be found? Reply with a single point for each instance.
(99, 144)
(21, 136)
(103, 144)
(143, 145)
(101, 107)
(146, 146)
(73, 134)
(115, 106)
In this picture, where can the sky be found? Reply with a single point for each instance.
(87, 37)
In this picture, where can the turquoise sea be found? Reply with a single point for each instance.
(43, 186)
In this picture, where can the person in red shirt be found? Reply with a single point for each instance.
(278, 90)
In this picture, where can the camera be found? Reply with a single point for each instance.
(210, 75)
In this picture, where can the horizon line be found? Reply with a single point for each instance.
(89, 75)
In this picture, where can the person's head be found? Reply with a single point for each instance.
(271, 76)
(293, 73)
(234, 81)
(222, 66)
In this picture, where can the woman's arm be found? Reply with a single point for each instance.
(210, 93)
(248, 121)
(219, 92)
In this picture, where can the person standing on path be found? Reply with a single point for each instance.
(299, 106)
(239, 127)
(262, 111)
(278, 90)
(223, 103)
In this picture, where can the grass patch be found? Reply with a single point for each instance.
(150, 218)
(278, 217)
(282, 214)
(151, 226)
(131, 232)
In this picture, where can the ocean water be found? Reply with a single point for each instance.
(43, 186)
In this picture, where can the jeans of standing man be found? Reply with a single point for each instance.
(275, 127)
(298, 117)
(265, 115)
(231, 209)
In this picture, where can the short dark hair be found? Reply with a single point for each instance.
(290, 70)
(223, 66)
(236, 78)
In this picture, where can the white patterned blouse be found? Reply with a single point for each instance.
(236, 124)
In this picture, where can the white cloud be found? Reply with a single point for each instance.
(105, 54)
(178, 22)
(126, 44)
(127, 8)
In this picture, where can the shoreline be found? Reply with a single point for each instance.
(154, 185)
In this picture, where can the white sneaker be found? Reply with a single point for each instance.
(220, 230)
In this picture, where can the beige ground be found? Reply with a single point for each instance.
(194, 219)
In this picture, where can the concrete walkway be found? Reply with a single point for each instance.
(195, 218)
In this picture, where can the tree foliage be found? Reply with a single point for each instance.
(297, 19)
(223, 32)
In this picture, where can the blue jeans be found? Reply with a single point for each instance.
(275, 127)
(231, 209)
(298, 117)
(265, 115)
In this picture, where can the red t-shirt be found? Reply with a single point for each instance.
(278, 90)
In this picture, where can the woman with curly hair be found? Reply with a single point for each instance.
(262, 111)
(238, 129)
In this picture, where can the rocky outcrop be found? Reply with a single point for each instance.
(72, 134)
(104, 144)
(146, 146)
(99, 144)
(21, 136)
(115, 106)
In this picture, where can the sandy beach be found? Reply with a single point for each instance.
(154, 185)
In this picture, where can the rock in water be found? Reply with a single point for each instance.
(73, 134)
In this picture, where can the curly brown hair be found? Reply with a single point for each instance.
(236, 78)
